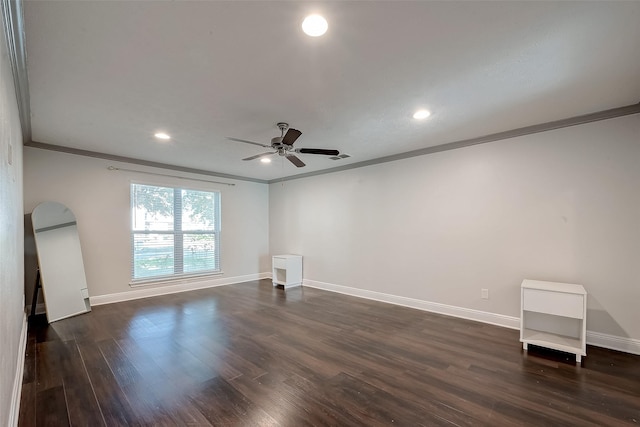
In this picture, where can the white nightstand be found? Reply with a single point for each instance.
(554, 315)
(287, 270)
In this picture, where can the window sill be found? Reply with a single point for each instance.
(173, 280)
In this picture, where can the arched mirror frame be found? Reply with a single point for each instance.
(62, 275)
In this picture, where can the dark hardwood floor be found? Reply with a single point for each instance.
(251, 355)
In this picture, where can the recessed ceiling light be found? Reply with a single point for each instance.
(314, 25)
(163, 136)
(421, 114)
(265, 160)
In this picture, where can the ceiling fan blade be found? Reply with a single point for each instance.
(296, 161)
(248, 142)
(291, 136)
(260, 155)
(317, 151)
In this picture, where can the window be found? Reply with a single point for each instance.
(174, 232)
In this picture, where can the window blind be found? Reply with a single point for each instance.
(174, 231)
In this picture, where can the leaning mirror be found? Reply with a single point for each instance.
(64, 284)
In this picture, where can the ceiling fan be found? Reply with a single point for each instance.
(283, 146)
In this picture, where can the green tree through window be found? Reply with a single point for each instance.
(174, 231)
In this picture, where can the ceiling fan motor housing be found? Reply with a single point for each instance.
(277, 144)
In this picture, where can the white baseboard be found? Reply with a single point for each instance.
(625, 344)
(613, 342)
(434, 307)
(191, 285)
(17, 381)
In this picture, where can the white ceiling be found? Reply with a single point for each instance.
(105, 76)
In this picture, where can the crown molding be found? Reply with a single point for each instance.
(13, 26)
(141, 162)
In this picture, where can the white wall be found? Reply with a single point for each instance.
(100, 199)
(562, 206)
(11, 241)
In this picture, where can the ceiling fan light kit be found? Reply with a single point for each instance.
(283, 146)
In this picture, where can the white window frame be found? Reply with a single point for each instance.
(177, 244)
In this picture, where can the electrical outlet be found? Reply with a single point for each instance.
(484, 293)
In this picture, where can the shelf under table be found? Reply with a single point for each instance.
(554, 341)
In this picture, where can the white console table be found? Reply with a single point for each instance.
(554, 315)
(287, 270)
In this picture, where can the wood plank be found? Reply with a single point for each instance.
(222, 404)
(82, 405)
(114, 406)
(29, 375)
(48, 365)
(27, 416)
(156, 397)
(51, 409)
